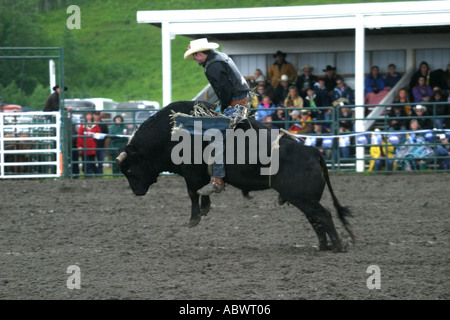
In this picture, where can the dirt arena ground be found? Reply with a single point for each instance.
(129, 247)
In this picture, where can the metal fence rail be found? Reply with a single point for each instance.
(30, 145)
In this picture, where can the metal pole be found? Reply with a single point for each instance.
(359, 86)
(166, 63)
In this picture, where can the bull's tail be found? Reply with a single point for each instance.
(343, 212)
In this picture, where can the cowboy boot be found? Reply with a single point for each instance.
(216, 185)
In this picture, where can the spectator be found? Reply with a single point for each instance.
(322, 92)
(443, 150)
(265, 109)
(52, 102)
(257, 97)
(374, 81)
(392, 77)
(268, 88)
(281, 92)
(279, 115)
(318, 142)
(397, 118)
(293, 100)
(345, 119)
(311, 101)
(256, 75)
(440, 109)
(344, 143)
(421, 91)
(343, 91)
(302, 121)
(117, 140)
(446, 81)
(100, 154)
(403, 98)
(421, 111)
(382, 153)
(306, 80)
(374, 87)
(424, 71)
(330, 78)
(87, 130)
(280, 67)
(414, 150)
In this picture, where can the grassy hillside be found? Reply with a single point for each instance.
(113, 56)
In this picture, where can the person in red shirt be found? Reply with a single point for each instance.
(87, 144)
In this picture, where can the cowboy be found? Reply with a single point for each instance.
(52, 102)
(229, 86)
(306, 80)
(280, 67)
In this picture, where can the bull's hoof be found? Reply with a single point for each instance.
(247, 195)
(194, 222)
(204, 211)
(281, 201)
(325, 247)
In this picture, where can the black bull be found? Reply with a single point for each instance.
(300, 179)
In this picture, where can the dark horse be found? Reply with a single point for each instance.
(300, 180)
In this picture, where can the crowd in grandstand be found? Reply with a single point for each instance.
(317, 101)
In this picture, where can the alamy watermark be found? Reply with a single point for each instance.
(74, 21)
(374, 281)
(259, 150)
(74, 280)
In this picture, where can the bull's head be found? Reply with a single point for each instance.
(139, 171)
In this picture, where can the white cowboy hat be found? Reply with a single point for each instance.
(199, 45)
(284, 77)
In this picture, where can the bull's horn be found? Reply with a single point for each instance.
(122, 156)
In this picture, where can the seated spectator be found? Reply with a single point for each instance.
(258, 73)
(318, 142)
(421, 111)
(439, 109)
(403, 98)
(422, 92)
(423, 71)
(302, 123)
(381, 152)
(414, 150)
(306, 80)
(293, 100)
(281, 92)
(330, 78)
(268, 89)
(343, 91)
(265, 109)
(446, 81)
(280, 67)
(322, 93)
(397, 118)
(344, 142)
(345, 119)
(258, 95)
(443, 150)
(374, 87)
(279, 115)
(392, 77)
(311, 101)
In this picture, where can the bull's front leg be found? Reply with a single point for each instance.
(195, 208)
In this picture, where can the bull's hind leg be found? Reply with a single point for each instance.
(322, 222)
(195, 208)
(205, 205)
